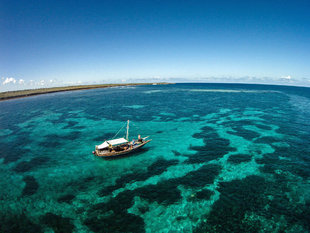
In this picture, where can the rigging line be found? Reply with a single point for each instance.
(118, 131)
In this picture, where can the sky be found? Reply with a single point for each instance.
(53, 43)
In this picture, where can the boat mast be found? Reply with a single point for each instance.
(127, 130)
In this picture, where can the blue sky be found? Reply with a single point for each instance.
(46, 43)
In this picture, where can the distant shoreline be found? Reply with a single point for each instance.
(32, 92)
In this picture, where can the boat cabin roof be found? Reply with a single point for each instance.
(113, 142)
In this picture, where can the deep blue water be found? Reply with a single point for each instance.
(224, 158)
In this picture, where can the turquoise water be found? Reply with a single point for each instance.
(224, 158)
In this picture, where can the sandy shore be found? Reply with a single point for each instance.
(24, 93)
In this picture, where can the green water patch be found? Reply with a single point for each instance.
(135, 106)
(5, 132)
(31, 186)
(104, 137)
(204, 143)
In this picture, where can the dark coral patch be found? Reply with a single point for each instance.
(204, 194)
(143, 209)
(11, 157)
(237, 197)
(267, 140)
(12, 223)
(242, 132)
(215, 147)
(51, 141)
(165, 192)
(36, 162)
(301, 216)
(79, 127)
(264, 127)
(158, 167)
(12, 152)
(205, 131)
(72, 135)
(23, 166)
(203, 176)
(86, 183)
(118, 223)
(272, 162)
(176, 153)
(55, 140)
(66, 198)
(57, 223)
(31, 186)
(70, 124)
(239, 158)
(113, 216)
(251, 195)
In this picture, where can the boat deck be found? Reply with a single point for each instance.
(107, 153)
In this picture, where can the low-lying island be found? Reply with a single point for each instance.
(31, 92)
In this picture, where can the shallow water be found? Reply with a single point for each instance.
(224, 158)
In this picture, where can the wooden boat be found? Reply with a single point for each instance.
(120, 146)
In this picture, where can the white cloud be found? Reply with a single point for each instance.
(9, 80)
(288, 77)
(21, 81)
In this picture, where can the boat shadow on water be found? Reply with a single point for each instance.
(132, 154)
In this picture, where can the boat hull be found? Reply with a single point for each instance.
(120, 153)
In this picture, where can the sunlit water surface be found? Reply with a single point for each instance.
(224, 158)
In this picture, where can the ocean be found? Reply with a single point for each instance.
(223, 158)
